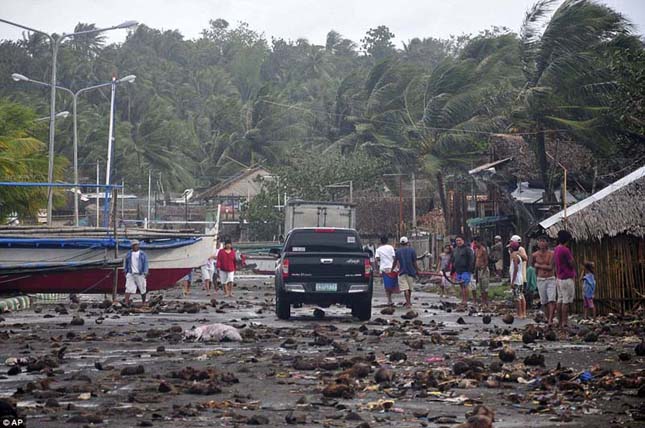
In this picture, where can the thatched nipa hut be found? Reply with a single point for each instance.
(608, 229)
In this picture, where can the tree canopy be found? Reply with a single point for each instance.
(200, 108)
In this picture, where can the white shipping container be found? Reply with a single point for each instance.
(319, 214)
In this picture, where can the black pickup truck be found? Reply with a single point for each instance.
(324, 266)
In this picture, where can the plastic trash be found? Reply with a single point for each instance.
(585, 376)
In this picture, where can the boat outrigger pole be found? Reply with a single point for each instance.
(76, 187)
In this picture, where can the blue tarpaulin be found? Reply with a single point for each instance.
(90, 243)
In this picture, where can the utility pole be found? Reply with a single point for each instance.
(122, 200)
(98, 207)
(109, 153)
(414, 202)
(149, 191)
(400, 205)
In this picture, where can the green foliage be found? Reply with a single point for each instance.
(200, 107)
(305, 174)
(23, 157)
(566, 63)
(263, 218)
(378, 43)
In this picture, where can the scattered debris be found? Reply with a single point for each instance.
(216, 332)
(507, 354)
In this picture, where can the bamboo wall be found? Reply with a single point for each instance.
(620, 272)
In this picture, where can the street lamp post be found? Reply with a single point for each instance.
(62, 114)
(127, 79)
(55, 42)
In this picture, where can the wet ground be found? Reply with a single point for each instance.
(121, 368)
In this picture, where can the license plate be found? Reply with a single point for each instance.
(326, 286)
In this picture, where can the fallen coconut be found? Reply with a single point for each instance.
(507, 354)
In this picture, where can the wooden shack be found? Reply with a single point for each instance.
(608, 229)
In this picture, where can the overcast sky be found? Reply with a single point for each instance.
(290, 19)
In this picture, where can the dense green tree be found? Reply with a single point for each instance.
(202, 108)
(378, 43)
(23, 158)
(565, 65)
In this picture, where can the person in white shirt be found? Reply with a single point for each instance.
(517, 278)
(208, 270)
(385, 260)
(216, 284)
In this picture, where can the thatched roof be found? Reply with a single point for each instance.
(617, 209)
(524, 165)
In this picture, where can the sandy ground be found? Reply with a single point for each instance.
(308, 371)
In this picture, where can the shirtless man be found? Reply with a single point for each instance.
(543, 264)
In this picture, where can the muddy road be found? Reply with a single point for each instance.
(86, 364)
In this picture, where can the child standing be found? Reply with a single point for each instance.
(589, 288)
(445, 268)
(517, 280)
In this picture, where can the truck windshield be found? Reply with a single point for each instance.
(312, 241)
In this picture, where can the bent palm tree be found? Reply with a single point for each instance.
(564, 71)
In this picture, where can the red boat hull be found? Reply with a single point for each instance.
(95, 281)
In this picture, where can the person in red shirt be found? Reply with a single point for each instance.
(226, 267)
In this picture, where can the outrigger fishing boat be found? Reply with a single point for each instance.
(86, 260)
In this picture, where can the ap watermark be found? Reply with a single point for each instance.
(13, 422)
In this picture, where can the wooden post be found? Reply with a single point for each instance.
(116, 243)
(401, 231)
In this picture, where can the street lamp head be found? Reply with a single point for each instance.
(127, 79)
(127, 24)
(19, 77)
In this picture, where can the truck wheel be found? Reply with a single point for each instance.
(282, 307)
(362, 308)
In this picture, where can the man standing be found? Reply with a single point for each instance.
(565, 273)
(543, 264)
(136, 269)
(385, 255)
(462, 264)
(497, 256)
(517, 281)
(406, 260)
(523, 254)
(481, 271)
(226, 262)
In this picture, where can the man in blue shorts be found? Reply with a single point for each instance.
(463, 262)
(405, 260)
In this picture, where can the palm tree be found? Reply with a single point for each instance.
(88, 45)
(467, 97)
(22, 158)
(565, 74)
